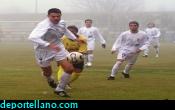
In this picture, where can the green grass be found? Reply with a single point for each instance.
(151, 78)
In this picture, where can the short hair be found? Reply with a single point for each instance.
(88, 20)
(134, 22)
(54, 10)
(73, 27)
(151, 23)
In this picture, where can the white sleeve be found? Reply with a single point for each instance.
(36, 35)
(145, 43)
(97, 33)
(158, 33)
(117, 44)
(69, 34)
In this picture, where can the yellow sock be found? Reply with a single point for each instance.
(74, 77)
(60, 73)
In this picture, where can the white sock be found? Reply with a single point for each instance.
(157, 51)
(64, 81)
(127, 68)
(115, 68)
(90, 57)
(146, 51)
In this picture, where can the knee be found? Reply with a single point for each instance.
(47, 73)
(69, 69)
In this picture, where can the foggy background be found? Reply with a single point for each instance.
(19, 17)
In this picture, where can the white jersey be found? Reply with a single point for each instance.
(153, 33)
(129, 42)
(44, 34)
(91, 34)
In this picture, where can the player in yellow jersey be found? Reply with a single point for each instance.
(73, 46)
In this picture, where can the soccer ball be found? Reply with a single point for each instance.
(75, 57)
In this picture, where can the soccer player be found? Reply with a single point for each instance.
(73, 46)
(128, 46)
(91, 33)
(48, 46)
(154, 36)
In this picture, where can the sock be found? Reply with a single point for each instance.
(60, 73)
(63, 82)
(157, 51)
(127, 68)
(90, 57)
(74, 77)
(146, 51)
(115, 68)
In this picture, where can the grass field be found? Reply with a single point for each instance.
(151, 78)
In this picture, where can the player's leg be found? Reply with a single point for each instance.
(90, 55)
(156, 47)
(146, 51)
(90, 58)
(120, 59)
(115, 69)
(78, 68)
(43, 58)
(47, 73)
(59, 73)
(68, 69)
(129, 65)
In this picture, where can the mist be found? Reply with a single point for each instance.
(19, 17)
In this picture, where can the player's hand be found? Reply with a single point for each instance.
(103, 45)
(113, 51)
(54, 47)
(138, 51)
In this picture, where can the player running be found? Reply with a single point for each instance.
(48, 46)
(73, 46)
(91, 33)
(154, 37)
(128, 45)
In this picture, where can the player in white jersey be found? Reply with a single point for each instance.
(91, 33)
(128, 46)
(154, 36)
(47, 45)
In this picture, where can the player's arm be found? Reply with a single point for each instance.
(117, 44)
(145, 43)
(158, 33)
(102, 40)
(36, 35)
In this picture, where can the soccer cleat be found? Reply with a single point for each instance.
(125, 75)
(111, 78)
(52, 84)
(88, 64)
(68, 87)
(157, 56)
(61, 93)
(145, 55)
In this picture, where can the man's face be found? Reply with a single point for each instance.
(150, 25)
(133, 27)
(54, 17)
(88, 23)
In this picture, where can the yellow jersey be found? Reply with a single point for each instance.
(72, 45)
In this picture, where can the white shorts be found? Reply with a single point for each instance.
(155, 41)
(45, 56)
(130, 57)
(91, 45)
